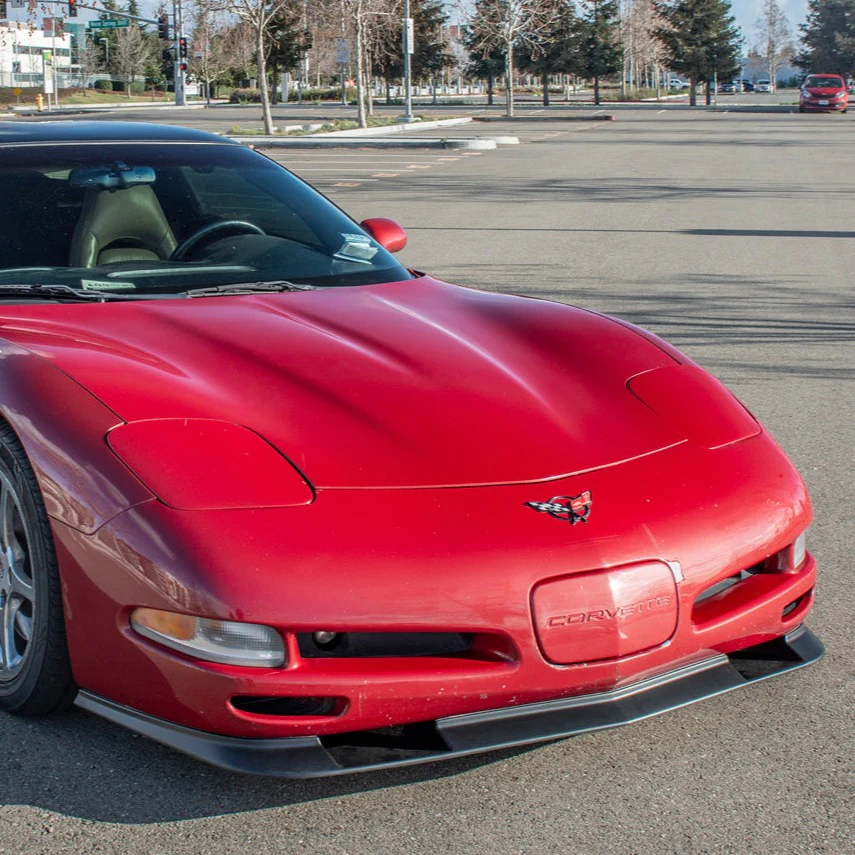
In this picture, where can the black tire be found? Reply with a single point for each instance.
(801, 109)
(35, 672)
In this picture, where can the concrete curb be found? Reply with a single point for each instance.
(29, 110)
(316, 141)
(606, 117)
(400, 128)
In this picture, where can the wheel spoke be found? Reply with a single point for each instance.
(21, 585)
(4, 606)
(7, 635)
(23, 624)
(7, 518)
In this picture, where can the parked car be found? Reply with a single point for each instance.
(747, 86)
(730, 87)
(763, 85)
(823, 93)
(278, 501)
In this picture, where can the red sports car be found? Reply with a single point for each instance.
(276, 501)
(823, 93)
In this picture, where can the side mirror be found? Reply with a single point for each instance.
(386, 232)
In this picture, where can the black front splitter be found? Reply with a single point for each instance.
(473, 733)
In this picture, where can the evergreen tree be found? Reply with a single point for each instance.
(701, 40)
(556, 51)
(600, 52)
(431, 56)
(286, 42)
(481, 66)
(828, 37)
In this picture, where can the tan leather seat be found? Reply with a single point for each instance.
(123, 225)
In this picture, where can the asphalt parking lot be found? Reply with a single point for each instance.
(731, 234)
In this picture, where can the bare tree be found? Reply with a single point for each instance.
(775, 38)
(210, 60)
(511, 24)
(238, 46)
(644, 53)
(88, 61)
(131, 55)
(257, 15)
(364, 16)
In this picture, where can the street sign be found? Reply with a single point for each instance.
(410, 43)
(109, 25)
(342, 51)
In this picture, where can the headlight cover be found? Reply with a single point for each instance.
(223, 641)
(204, 464)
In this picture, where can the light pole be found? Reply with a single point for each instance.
(408, 50)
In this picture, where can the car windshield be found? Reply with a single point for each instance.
(144, 219)
(824, 83)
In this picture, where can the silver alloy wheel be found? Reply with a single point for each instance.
(17, 585)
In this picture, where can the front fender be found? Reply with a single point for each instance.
(63, 429)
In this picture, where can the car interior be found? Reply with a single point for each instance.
(164, 225)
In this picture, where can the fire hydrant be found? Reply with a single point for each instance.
(40, 102)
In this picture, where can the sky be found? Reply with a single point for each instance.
(745, 11)
(748, 11)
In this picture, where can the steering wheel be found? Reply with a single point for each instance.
(206, 231)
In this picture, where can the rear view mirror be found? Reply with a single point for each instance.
(115, 176)
(386, 232)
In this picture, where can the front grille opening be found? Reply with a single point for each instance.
(763, 659)
(290, 706)
(356, 645)
(791, 607)
(385, 744)
(726, 584)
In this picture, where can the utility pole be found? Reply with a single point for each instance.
(178, 41)
(408, 51)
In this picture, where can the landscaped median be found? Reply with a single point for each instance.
(314, 136)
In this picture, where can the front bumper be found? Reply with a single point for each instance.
(473, 733)
(831, 107)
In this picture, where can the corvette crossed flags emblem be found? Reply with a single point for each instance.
(574, 509)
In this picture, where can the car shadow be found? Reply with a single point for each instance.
(81, 766)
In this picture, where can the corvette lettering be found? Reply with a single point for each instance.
(574, 509)
(608, 614)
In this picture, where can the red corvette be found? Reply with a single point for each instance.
(276, 501)
(823, 93)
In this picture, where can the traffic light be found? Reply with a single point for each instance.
(162, 27)
(182, 47)
(307, 40)
(3, 11)
(72, 8)
(182, 66)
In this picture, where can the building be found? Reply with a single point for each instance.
(25, 50)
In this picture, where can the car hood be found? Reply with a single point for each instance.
(822, 92)
(407, 384)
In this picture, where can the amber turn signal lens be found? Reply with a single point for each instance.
(224, 641)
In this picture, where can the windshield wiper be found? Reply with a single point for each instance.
(57, 292)
(248, 288)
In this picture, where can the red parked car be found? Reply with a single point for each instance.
(823, 93)
(273, 499)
